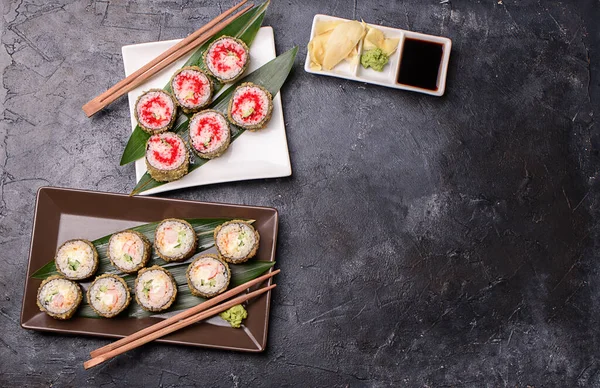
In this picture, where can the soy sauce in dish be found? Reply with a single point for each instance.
(420, 63)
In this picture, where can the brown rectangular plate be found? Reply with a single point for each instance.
(63, 214)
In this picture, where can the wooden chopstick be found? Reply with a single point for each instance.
(174, 327)
(163, 60)
(182, 315)
(168, 61)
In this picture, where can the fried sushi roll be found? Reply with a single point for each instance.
(155, 289)
(209, 134)
(227, 58)
(167, 157)
(250, 107)
(108, 295)
(59, 297)
(192, 88)
(208, 276)
(128, 250)
(175, 240)
(236, 241)
(155, 111)
(76, 259)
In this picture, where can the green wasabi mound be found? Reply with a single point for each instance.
(375, 59)
(235, 315)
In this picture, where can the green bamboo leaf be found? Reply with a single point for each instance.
(244, 27)
(47, 270)
(240, 274)
(271, 76)
(204, 228)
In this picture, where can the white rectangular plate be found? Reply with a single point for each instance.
(254, 155)
(388, 77)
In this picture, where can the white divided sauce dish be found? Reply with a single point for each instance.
(389, 76)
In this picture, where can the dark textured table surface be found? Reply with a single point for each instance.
(423, 241)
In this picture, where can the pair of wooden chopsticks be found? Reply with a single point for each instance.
(163, 60)
(179, 321)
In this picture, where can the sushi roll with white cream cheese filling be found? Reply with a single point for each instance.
(76, 259)
(192, 88)
(175, 240)
(155, 111)
(59, 297)
(108, 295)
(227, 58)
(236, 241)
(250, 106)
(128, 250)
(155, 289)
(167, 157)
(209, 134)
(208, 276)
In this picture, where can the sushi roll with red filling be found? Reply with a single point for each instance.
(209, 134)
(250, 107)
(155, 111)
(167, 157)
(191, 88)
(227, 58)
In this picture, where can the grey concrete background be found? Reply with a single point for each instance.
(424, 241)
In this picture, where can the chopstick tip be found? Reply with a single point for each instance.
(92, 363)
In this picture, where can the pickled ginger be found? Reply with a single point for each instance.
(342, 41)
(333, 42)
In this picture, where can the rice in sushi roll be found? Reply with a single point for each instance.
(167, 157)
(59, 297)
(175, 240)
(208, 276)
(108, 295)
(128, 250)
(209, 134)
(155, 111)
(236, 241)
(155, 289)
(192, 88)
(227, 58)
(250, 107)
(76, 259)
